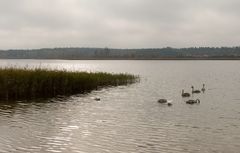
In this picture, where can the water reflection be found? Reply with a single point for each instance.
(128, 118)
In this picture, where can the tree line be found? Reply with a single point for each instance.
(109, 53)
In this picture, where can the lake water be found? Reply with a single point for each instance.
(128, 119)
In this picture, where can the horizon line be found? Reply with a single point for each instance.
(119, 48)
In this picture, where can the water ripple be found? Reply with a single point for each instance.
(129, 119)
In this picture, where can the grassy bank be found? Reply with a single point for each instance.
(18, 84)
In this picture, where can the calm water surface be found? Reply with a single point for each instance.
(128, 118)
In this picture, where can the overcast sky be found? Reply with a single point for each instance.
(119, 23)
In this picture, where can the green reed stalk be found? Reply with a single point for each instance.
(17, 84)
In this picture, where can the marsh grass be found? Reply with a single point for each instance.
(19, 84)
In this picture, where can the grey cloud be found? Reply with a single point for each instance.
(123, 23)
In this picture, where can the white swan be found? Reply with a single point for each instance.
(193, 101)
(195, 91)
(203, 88)
(162, 101)
(165, 101)
(185, 94)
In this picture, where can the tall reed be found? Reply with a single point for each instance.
(17, 84)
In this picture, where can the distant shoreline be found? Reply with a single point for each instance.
(202, 53)
(163, 59)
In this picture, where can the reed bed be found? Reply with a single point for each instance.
(19, 84)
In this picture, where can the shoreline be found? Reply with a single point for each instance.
(163, 59)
